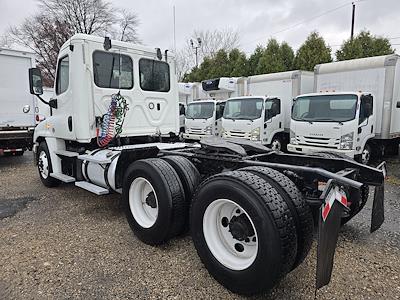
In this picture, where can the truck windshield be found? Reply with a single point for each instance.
(243, 109)
(200, 110)
(325, 108)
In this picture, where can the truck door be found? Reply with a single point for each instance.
(273, 120)
(63, 94)
(366, 121)
(220, 106)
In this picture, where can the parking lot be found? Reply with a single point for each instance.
(67, 243)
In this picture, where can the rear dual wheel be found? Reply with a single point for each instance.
(243, 231)
(156, 197)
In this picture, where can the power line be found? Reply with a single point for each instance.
(305, 21)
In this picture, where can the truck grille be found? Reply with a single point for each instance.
(237, 134)
(318, 141)
(198, 131)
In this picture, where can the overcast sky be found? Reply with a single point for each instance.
(255, 20)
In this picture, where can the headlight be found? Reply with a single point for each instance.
(255, 134)
(208, 130)
(346, 141)
(293, 137)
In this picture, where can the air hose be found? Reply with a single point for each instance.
(111, 123)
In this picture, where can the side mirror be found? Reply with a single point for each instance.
(35, 81)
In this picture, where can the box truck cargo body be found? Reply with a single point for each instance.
(271, 126)
(375, 76)
(18, 106)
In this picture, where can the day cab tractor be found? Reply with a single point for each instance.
(250, 210)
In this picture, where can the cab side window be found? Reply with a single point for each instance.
(220, 110)
(366, 108)
(62, 81)
(181, 109)
(272, 108)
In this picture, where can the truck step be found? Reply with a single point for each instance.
(66, 153)
(95, 159)
(62, 177)
(95, 189)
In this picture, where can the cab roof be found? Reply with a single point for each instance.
(114, 44)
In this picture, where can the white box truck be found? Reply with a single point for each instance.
(203, 119)
(18, 106)
(264, 115)
(250, 219)
(355, 110)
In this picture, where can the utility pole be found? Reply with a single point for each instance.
(352, 21)
(196, 49)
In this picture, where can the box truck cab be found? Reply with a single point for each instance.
(254, 118)
(360, 114)
(203, 119)
(341, 122)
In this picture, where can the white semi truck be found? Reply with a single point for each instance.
(355, 109)
(18, 110)
(251, 209)
(264, 115)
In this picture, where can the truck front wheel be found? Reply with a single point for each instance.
(243, 232)
(45, 167)
(365, 155)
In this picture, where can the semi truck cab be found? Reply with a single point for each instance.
(341, 122)
(254, 118)
(203, 119)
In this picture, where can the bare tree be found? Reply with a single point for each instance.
(6, 41)
(45, 35)
(211, 42)
(83, 16)
(45, 32)
(128, 23)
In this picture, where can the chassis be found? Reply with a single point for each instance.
(274, 192)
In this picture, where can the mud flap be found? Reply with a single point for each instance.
(328, 231)
(378, 213)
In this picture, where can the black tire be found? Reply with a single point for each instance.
(47, 181)
(298, 207)
(169, 193)
(190, 179)
(187, 172)
(273, 223)
(355, 207)
(365, 158)
(278, 140)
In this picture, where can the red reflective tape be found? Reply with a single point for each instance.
(344, 200)
(325, 211)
